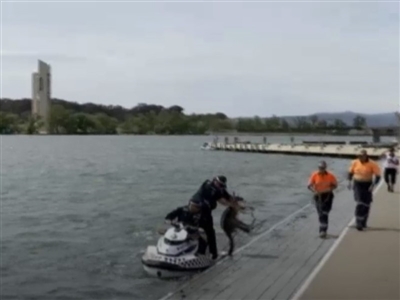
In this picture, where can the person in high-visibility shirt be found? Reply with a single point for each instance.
(365, 175)
(322, 183)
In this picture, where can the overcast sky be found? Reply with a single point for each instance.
(242, 59)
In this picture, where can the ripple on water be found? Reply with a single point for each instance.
(78, 211)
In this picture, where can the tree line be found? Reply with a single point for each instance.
(73, 118)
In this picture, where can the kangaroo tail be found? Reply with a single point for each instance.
(242, 226)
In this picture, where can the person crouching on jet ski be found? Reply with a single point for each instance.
(190, 216)
(209, 193)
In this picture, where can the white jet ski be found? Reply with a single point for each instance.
(175, 255)
(206, 146)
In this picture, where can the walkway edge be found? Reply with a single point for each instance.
(240, 249)
(328, 254)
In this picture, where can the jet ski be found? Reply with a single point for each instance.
(206, 146)
(175, 255)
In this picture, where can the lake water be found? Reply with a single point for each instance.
(76, 212)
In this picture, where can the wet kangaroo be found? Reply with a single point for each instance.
(230, 223)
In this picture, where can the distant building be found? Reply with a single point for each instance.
(41, 93)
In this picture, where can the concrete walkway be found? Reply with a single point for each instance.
(364, 265)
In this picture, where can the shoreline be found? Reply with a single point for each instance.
(284, 134)
(212, 134)
(242, 134)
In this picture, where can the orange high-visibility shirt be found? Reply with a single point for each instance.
(364, 171)
(322, 182)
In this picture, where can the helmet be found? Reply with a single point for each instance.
(221, 179)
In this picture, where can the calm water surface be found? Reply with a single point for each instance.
(78, 211)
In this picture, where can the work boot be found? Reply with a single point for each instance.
(364, 224)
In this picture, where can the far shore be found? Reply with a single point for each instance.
(218, 134)
(284, 134)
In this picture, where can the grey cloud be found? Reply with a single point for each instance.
(240, 58)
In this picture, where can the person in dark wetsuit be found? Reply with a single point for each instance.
(190, 216)
(209, 193)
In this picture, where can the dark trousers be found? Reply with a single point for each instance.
(202, 246)
(323, 203)
(207, 224)
(390, 176)
(363, 198)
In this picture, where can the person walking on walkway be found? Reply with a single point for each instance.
(362, 172)
(322, 183)
(390, 169)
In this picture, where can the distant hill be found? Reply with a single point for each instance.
(373, 120)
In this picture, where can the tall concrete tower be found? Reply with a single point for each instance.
(398, 126)
(41, 93)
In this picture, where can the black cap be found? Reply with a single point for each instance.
(221, 179)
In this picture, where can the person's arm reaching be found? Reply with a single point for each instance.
(225, 199)
(173, 215)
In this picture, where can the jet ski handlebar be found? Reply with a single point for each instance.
(180, 225)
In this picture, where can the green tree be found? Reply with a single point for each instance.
(105, 124)
(8, 123)
(302, 124)
(73, 118)
(59, 119)
(220, 125)
(359, 122)
(164, 121)
(35, 123)
(141, 125)
(258, 124)
(84, 124)
(273, 124)
(198, 126)
(245, 125)
(322, 124)
(178, 123)
(284, 125)
(339, 124)
(314, 120)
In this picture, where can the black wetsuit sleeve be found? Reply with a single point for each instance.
(226, 195)
(174, 214)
